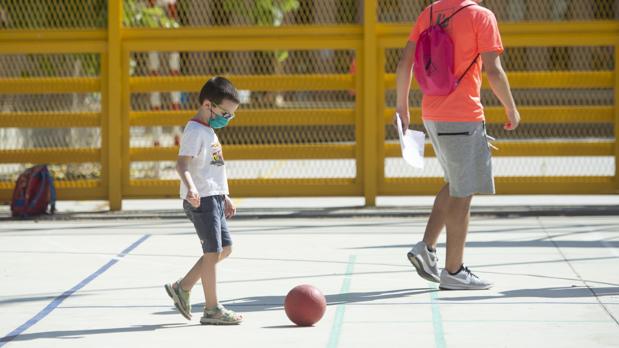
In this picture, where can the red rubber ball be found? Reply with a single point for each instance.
(305, 305)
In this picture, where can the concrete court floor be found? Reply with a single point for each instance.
(99, 284)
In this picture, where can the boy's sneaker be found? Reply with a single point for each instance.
(463, 280)
(220, 316)
(425, 262)
(180, 298)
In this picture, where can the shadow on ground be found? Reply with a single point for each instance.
(77, 334)
(550, 293)
(276, 302)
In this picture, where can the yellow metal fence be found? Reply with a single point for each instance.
(319, 103)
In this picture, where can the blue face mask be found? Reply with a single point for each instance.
(220, 121)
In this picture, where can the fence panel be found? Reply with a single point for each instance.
(100, 90)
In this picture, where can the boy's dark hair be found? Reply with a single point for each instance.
(217, 89)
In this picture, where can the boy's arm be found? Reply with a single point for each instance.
(182, 167)
(404, 73)
(500, 87)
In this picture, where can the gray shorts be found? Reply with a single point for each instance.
(462, 150)
(210, 222)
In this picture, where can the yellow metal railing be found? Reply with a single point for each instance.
(369, 115)
(290, 39)
(60, 41)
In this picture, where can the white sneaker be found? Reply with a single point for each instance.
(463, 280)
(425, 262)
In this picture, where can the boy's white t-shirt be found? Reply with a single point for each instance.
(207, 167)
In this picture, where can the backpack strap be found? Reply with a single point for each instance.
(467, 69)
(474, 60)
(445, 21)
(453, 14)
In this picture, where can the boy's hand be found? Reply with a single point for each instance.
(193, 197)
(229, 208)
(513, 119)
(405, 117)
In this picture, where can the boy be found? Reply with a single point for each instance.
(204, 190)
(455, 124)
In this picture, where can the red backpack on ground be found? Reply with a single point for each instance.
(434, 59)
(34, 191)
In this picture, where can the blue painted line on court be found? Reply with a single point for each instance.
(336, 329)
(437, 320)
(58, 300)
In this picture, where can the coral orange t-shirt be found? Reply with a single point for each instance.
(473, 30)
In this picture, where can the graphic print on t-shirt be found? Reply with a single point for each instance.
(217, 156)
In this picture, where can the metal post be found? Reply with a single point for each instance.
(616, 188)
(370, 134)
(113, 116)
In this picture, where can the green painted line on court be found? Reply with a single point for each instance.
(336, 329)
(437, 321)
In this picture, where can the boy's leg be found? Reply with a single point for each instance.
(191, 278)
(436, 222)
(456, 276)
(216, 246)
(464, 154)
(215, 313)
(457, 222)
(179, 291)
(423, 254)
(209, 275)
(209, 278)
